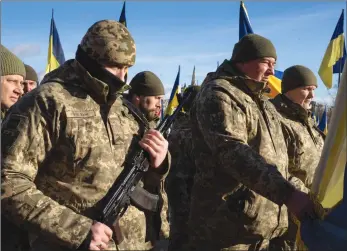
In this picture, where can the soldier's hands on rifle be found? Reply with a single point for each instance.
(156, 145)
(101, 235)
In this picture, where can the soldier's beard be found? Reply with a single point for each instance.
(149, 114)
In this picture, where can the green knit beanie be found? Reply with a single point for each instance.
(10, 63)
(251, 47)
(297, 76)
(146, 83)
(30, 73)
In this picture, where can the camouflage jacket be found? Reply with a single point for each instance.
(180, 180)
(304, 139)
(240, 154)
(3, 113)
(63, 146)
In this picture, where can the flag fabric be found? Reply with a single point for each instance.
(246, 28)
(317, 119)
(244, 23)
(330, 183)
(323, 124)
(55, 50)
(335, 55)
(173, 101)
(193, 77)
(122, 18)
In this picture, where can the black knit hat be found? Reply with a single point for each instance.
(251, 47)
(297, 76)
(30, 73)
(10, 63)
(146, 83)
(193, 89)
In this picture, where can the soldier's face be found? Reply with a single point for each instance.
(150, 106)
(29, 85)
(11, 90)
(119, 72)
(259, 69)
(302, 96)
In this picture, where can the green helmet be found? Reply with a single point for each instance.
(109, 43)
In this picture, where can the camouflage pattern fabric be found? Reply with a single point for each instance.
(3, 113)
(305, 144)
(240, 185)
(305, 140)
(180, 180)
(61, 152)
(109, 43)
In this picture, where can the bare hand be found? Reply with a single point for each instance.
(101, 235)
(301, 205)
(156, 145)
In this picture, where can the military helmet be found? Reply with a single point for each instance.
(109, 43)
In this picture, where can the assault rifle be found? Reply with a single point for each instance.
(126, 191)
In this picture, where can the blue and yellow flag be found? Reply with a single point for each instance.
(173, 101)
(122, 18)
(246, 28)
(55, 50)
(323, 124)
(335, 55)
(244, 23)
(329, 185)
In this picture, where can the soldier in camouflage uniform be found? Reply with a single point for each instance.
(65, 143)
(304, 139)
(146, 93)
(241, 191)
(180, 178)
(12, 72)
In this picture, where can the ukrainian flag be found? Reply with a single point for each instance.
(323, 124)
(335, 55)
(328, 183)
(55, 50)
(244, 23)
(123, 20)
(173, 101)
(246, 28)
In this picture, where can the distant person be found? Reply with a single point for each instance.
(305, 139)
(146, 94)
(31, 79)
